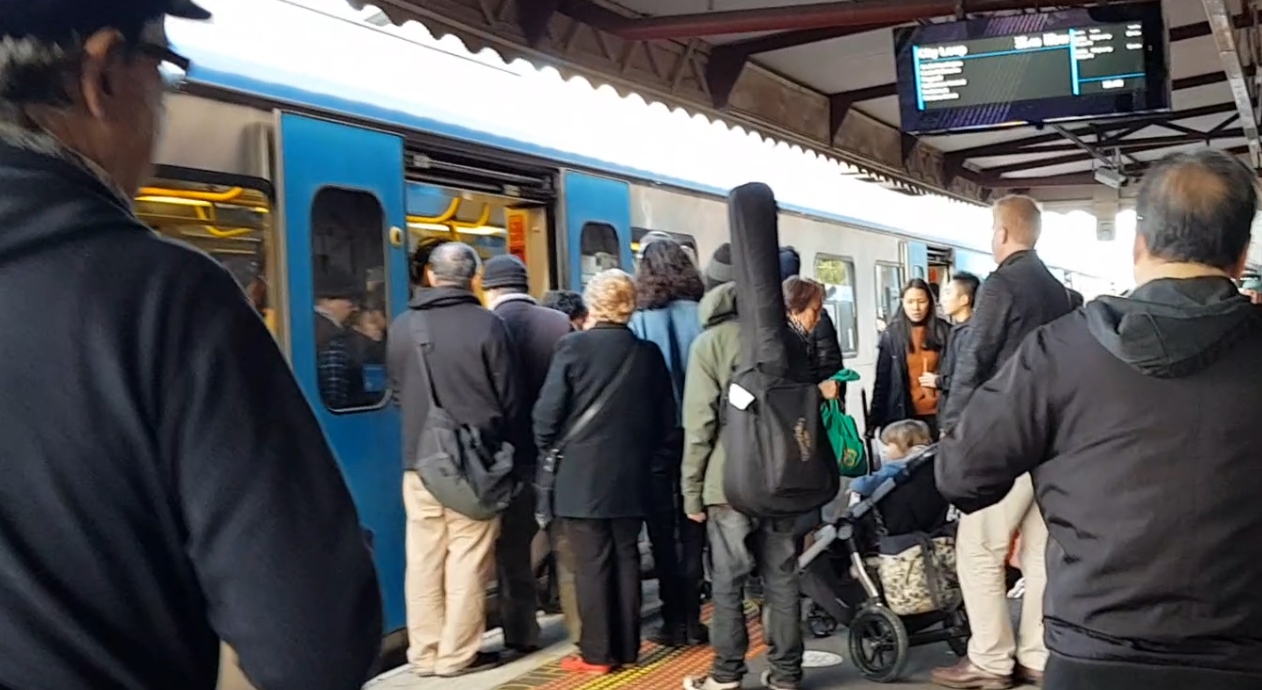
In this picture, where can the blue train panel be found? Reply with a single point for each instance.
(597, 225)
(343, 198)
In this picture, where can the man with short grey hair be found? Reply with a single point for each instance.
(1138, 418)
(447, 348)
(166, 484)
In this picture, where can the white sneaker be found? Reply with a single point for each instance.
(709, 683)
(1018, 590)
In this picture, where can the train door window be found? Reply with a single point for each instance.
(348, 271)
(230, 220)
(889, 286)
(688, 242)
(837, 275)
(598, 245)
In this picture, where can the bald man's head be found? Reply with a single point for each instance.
(454, 264)
(1018, 224)
(1197, 208)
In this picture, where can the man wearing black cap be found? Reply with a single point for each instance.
(166, 484)
(340, 380)
(535, 331)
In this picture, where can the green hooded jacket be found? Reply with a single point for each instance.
(710, 365)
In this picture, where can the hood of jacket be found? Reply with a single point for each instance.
(718, 305)
(1170, 328)
(49, 199)
(439, 297)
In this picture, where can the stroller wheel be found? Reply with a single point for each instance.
(879, 644)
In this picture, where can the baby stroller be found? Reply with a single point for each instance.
(886, 571)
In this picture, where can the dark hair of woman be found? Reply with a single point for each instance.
(666, 274)
(424, 248)
(800, 293)
(932, 341)
(567, 302)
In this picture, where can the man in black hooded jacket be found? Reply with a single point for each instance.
(1138, 419)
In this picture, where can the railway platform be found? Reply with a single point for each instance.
(662, 669)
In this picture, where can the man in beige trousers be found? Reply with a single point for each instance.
(1017, 298)
(468, 368)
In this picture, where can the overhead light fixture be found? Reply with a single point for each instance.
(1109, 177)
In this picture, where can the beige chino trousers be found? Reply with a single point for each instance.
(450, 563)
(981, 546)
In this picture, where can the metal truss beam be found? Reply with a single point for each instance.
(1070, 179)
(814, 16)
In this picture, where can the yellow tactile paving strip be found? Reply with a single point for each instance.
(658, 667)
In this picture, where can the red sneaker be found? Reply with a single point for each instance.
(575, 664)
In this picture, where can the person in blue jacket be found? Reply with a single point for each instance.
(669, 288)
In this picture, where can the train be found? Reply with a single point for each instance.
(280, 166)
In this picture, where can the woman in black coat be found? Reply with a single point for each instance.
(907, 359)
(602, 477)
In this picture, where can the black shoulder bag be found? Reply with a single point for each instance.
(546, 473)
(462, 466)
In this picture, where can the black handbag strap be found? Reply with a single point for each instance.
(421, 332)
(598, 404)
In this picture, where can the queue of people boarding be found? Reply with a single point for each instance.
(167, 486)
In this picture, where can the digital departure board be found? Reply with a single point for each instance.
(1051, 64)
(1033, 68)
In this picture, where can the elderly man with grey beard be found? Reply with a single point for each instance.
(166, 484)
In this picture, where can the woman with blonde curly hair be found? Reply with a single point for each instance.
(603, 469)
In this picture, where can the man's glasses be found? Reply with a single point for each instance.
(172, 66)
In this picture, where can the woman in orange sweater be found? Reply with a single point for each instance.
(907, 362)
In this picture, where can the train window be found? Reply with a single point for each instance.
(889, 286)
(230, 222)
(688, 242)
(478, 220)
(598, 245)
(348, 269)
(837, 275)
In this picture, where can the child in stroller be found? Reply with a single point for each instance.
(886, 570)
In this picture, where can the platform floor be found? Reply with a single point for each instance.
(662, 669)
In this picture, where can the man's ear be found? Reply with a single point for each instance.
(100, 54)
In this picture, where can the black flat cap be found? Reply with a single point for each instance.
(59, 20)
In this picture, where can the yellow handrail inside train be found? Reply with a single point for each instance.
(229, 195)
(447, 215)
(481, 222)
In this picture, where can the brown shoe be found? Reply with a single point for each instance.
(966, 676)
(1028, 676)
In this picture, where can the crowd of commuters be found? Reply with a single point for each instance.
(1116, 437)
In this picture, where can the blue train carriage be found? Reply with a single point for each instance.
(281, 168)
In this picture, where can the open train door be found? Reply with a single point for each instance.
(597, 222)
(916, 259)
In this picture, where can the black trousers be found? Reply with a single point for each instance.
(1075, 674)
(678, 557)
(607, 578)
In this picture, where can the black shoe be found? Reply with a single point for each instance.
(482, 661)
(667, 636)
(698, 635)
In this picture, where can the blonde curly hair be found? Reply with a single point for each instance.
(610, 297)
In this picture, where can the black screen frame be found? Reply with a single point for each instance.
(1154, 98)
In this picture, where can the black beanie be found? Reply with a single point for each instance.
(719, 270)
(505, 271)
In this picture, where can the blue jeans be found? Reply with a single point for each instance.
(737, 544)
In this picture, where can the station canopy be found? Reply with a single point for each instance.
(821, 75)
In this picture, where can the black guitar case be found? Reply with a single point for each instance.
(779, 460)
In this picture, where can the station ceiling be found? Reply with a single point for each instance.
(821, 75)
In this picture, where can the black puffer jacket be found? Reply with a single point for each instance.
(1017, 298)
(1138, 418)
(826, 350)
